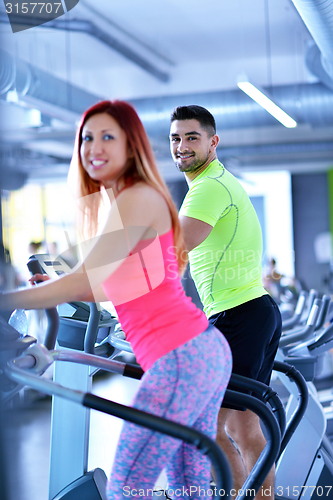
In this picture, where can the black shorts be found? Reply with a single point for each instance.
(253, 330)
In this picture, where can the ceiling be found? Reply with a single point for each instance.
(161, 54)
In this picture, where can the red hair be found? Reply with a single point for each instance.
(142, 167)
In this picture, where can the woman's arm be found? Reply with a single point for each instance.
(97, 295)
(129, 220)
(45, 295)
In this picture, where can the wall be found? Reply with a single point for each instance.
(310, 219)
(275, 217)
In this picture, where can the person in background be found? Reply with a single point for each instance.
(35, 247)
(136, 262)
(284, 289)
(8, 275)
(9, 278)
(36, 318)
(223, 237)
(272, 280)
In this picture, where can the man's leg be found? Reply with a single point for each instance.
(253, 330)
(236, 461)
(244, 428)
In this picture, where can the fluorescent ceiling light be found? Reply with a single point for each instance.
(266, 103)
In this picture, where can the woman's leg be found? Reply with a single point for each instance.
(141, 453)
(178, 387)
(188, 466)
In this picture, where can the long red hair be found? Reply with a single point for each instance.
(142, 167)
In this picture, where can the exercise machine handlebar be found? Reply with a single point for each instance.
(326, 300)
(270, 453)
(307, 331)
(51, 314)
(303, 400)
(267, 393)
(296, 317)
(38, 358)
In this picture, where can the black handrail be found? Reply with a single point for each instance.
(203, 443)
(274, 420)
(92, 328)
(266, 392)
(303, 399)
(236, 382)
(51, 314)
(269, 454)
(187, 434)
(274, 423)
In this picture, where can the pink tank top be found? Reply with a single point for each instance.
(151, 304)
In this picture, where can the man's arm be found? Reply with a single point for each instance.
(195, 231)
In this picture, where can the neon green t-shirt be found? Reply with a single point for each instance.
(226, 266)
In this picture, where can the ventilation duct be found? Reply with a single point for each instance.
(32, 82)
(309, 103)
(315, 64)
(318, 17)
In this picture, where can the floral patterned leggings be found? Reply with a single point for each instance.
(186, 385)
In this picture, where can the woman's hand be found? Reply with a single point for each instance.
(37, 278)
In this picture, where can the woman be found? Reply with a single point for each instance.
(135, 262)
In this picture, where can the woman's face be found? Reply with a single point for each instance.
(104, 150)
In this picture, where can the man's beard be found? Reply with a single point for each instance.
(192, 167)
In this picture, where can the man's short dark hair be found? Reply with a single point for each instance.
(194, 112)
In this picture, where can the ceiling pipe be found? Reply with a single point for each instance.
(309, 103)
(318, 18)
(314, 63)
(89, 28)
(276, 149)
(29, 81)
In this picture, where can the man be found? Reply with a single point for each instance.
(223, 237)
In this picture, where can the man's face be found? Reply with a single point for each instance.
(191, 146)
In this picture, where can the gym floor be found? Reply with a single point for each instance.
(28, 437)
